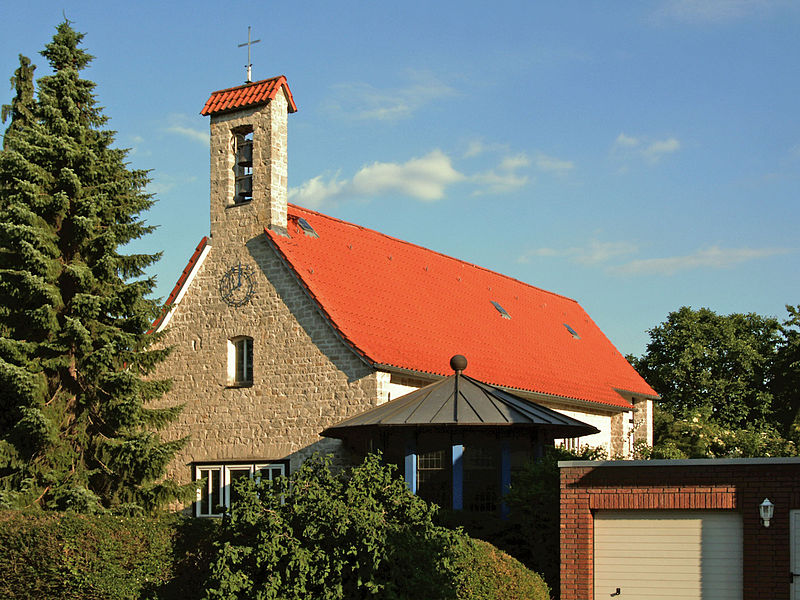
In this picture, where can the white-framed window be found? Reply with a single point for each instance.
(240, 361)
(217, 491)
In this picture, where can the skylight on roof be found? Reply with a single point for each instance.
(572, 331)
(501, 310)
(307, 228)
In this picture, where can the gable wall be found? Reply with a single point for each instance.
(304, 377)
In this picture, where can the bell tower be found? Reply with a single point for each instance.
(249, 159)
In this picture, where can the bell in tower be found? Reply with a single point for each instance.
(244, 167)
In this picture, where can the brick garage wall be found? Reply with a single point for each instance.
(738, 485)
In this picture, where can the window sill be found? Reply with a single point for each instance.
(237, 204)
(243, 384)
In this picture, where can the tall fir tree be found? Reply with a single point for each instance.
(77, 427)
(21, 108)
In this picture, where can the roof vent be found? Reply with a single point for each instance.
(501, 310)
(572, 331)
(307, 228)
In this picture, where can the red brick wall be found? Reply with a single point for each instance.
(688, 485)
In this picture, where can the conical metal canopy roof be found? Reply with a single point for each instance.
(460, 400)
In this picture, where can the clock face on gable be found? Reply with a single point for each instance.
(237, 286)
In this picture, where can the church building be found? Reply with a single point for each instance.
(288, 323)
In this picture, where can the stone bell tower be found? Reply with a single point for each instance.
(248, 159)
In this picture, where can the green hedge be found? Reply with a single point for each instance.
(70, 556)
(98, 557)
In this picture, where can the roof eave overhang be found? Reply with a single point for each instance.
(559, 431)
(624, 392)
(184, 281)
(566, 400)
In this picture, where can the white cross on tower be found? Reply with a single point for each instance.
(249, 66)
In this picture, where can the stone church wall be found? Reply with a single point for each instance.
(304, 377)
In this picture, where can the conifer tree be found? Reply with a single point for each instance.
(77, 430)
(20, 109)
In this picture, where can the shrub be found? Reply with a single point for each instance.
(81, 557)
(490, 574)
(354, 535)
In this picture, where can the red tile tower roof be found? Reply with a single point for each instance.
(401, 306)
(249, 94)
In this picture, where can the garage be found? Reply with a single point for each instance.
(650, 554)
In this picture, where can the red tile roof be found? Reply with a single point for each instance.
(403, 306)
(249, 94)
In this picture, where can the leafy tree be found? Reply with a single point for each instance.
(727, 384)
(786, 373)
(697, 358)
(75, 429)
(697, 435)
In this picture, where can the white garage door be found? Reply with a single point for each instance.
(649, 555)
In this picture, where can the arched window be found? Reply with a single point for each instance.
(240, 361)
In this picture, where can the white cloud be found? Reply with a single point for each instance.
(551, 164)
(138, 147)
(594, 253)
(504, 178)
(713, 257)
(180, 126)
(425, 178)
(659, 148)
(719, 11)
(479, 147)
(162, 183)
(314, 192)
(474, 148)
(648, 149)
(192, 134)
(512, 163)
(362, 100)
(598, 253)
(626, 141)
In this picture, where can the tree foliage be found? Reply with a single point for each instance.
(353, 534)
(75, 429)
(728, 384)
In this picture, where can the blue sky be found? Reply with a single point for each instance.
(635, 156)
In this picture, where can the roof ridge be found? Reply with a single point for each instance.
(249, 84)
(442, 254)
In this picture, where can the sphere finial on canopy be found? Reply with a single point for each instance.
(458, 363)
